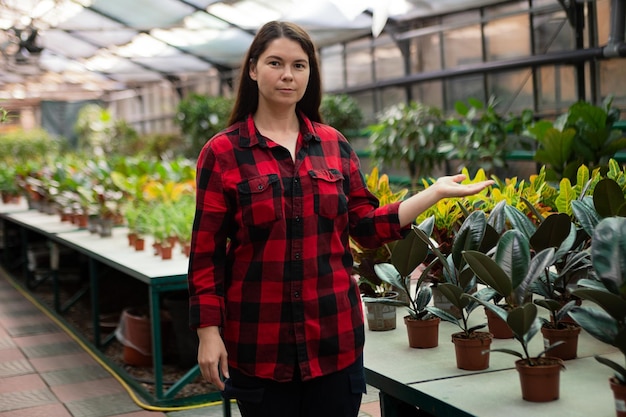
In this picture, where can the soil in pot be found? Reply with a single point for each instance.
(469, 351)
(498, 327)
(423, 334)
(541, 382)
(619, 393)
(569, 335)
(381, 316)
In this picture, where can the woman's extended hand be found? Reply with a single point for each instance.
(450, 186)
(445, 187)
(212, 356)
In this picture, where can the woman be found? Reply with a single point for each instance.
(278, 193)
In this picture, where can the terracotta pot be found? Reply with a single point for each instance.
(137, 338)
(541, 382)
(132, 237)
(498, 327)
(140, 244)
(569, 335)
(619, 393)
(166, 252)
(82, 221)
(380, 316)
(469, 352)
(423, 334)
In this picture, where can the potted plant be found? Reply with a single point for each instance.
(481, 137)
(607, 323)
(516, 265)
(475, 233)
(539, 375)
(410, 134)
(558, 327)
(200, 117)
(408, 253)
(342, 112)
(583, 135)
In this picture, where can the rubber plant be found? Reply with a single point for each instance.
(608, 289)
(475, 233)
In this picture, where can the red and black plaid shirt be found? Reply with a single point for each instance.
(270, 261)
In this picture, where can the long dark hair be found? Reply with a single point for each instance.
(248, 92)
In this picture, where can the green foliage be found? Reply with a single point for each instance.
(411, 135)
(342, 112)
(583, 135)
(200, 118)
(607, 323)
(481, 137)
(457, 279)
(21, 146)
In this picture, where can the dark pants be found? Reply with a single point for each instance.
(335, 395)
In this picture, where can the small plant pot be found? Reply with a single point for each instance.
(106, 227)
(541, 382)
(619, 394)
(498, 327)
(423, 334)
(569, 335)
(166, 252)
(140, 244)
(136, 336)
(469, 351)
(381, 317)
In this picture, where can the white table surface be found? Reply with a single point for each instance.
(22, 205)
(115, 249)
(495, 391)
(36, 220)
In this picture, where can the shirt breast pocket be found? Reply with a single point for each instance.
(260, 200)
(329, 199)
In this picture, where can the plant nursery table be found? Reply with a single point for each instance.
(160, 276)
(429, 379)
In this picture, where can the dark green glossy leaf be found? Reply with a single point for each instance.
(608, 197)
(513, 256)
(520, 221)
(613, 304)
(521, 319)
(608, 252)
(551, 232)
(489, 272)
(469, 236)
(598, 323)
(408, 254)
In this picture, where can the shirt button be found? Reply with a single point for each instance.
(296, 294)
(297, 219)
(297, 255)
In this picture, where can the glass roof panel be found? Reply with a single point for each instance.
(144, 14)
(202, 20)
(67, 44)
(89, 20)
(183, 64)
(245, 14)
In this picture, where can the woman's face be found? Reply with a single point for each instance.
(282, 73)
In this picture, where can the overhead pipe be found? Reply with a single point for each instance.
(616, 47)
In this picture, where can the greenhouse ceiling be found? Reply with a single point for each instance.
(48, 46)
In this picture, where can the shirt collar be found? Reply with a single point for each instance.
(249, 136)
